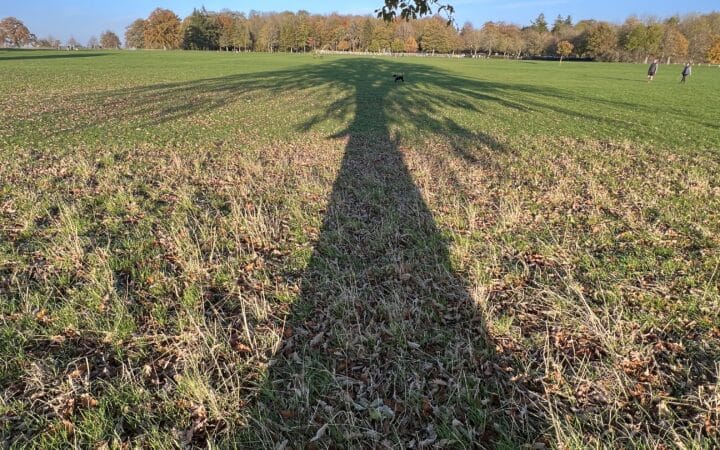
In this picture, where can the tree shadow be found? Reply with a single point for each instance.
(419, 108)
(427, 95)
(29, 55)
(386, 345)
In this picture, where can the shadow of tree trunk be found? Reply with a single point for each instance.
(385, 346)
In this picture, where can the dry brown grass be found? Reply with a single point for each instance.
(378, 288)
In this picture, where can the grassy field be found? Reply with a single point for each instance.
(281, 251)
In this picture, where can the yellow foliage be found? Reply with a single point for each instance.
(714, 52)
(565, 49)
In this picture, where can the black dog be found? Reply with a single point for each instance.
(399, 77)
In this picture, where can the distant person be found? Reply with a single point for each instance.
(652, 70)
(687, 71)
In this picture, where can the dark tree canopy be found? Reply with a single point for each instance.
(200, 32)
(412, 9)
(540, 24)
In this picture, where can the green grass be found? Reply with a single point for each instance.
(240, 250)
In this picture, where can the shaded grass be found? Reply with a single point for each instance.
(268, 248)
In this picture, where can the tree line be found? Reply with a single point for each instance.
(14, 34)
(693, 38)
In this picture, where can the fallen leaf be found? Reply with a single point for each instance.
(241, 347)
(317, 339)
(320, 433)
(68, 426)
(87, 401)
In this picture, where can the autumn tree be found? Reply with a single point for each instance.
(536, 43)
(677, 37)
(163, 30)
(564, 49)
(437, 36)
(269, 37)
(632, 37)
(471, 38)
(713, 55)
(295, 31)
(14, 33)
(510, 41)
(93, 42)
(302, 30)
(109, 40)
(337, 31)
(411, 45)
(490, 37)
(354, 33)
(226, 22)
(582, 31)
(404, 30)
(653, 40)
(397, 46)
(674, 44)
(288, 38)
(322, 32)
(241, 35)
(602, 42)
(135, 34)
(233, 31)
(255, 21)
(700, 34)
(382, 38)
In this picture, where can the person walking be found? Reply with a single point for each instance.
(687, 71)
(652, 70)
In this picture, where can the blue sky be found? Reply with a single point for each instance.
(84, 18)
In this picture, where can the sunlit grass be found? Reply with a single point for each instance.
(248, 249)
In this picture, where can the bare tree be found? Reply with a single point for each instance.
(72, 43)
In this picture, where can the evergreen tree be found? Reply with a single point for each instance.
(540, 24)
(200, 32)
